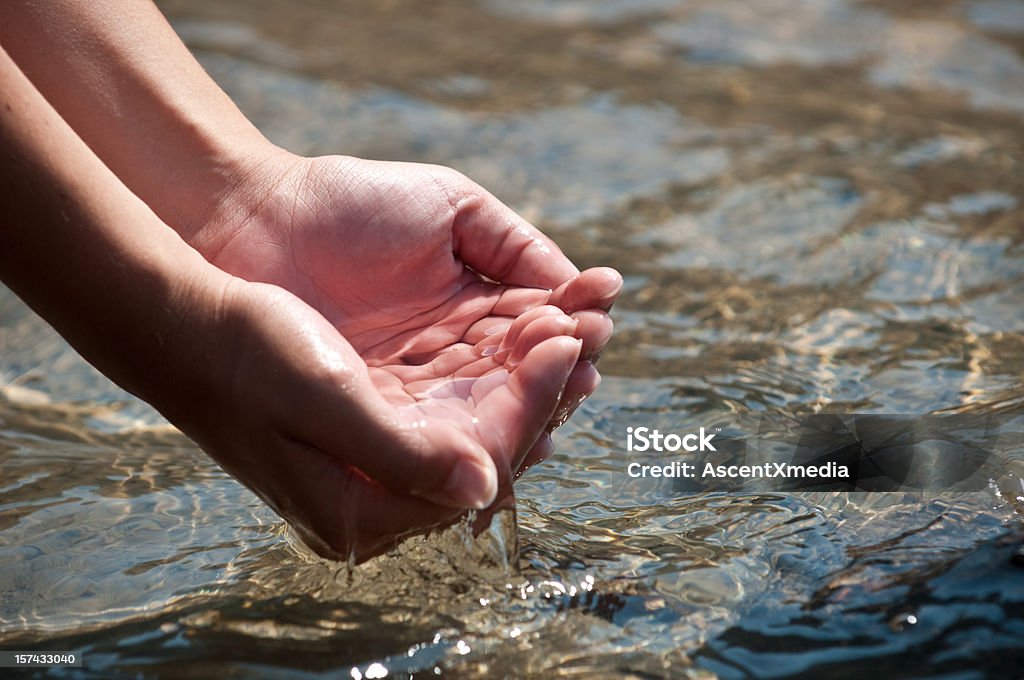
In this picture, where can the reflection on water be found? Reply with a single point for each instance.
(817, 206)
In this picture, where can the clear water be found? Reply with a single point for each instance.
(817, 205)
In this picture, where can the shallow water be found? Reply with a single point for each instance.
(817, 206)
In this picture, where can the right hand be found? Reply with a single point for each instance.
(355, 457)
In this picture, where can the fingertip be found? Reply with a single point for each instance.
(590, 377)
(583, 381)
(537, 332)
(459, 473)
(607, 284)
(610, 277)
(560, 353)
(529, 328)
(543, 373)
(595, 288)
(472, 484)
(544, 448)
(594, 327)
(540, 452)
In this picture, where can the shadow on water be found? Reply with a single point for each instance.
(817, 207)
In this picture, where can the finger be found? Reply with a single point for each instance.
(539, 330)
(430, 331)
(342, 514)
(513, 417)
(447, 465)
(583, 382)
(522, 322)
(540, 452)
(444, 362)
(490, 345)
(492, 239)
(594, 328)
(346, 416)
(595, 288)
(487, 327)
(515, 301)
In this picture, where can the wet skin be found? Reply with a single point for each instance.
(469, 329)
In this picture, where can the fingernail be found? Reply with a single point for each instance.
(471, 485)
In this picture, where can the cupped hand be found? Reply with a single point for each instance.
(355, 457)
(462, 333)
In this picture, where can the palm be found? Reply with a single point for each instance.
(362, 432)
(371, 248)
(402, 261)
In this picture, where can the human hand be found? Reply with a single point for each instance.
(440, 365)
(391, 255)
(290, 409)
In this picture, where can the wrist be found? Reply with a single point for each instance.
(216, 184)
(161, 340)
(228, 189)
(181, 368)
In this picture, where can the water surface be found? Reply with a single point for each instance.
(817, 206)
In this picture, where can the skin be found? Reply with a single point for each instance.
(370, 347)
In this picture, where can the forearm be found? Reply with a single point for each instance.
(90, 257)
(122, 79)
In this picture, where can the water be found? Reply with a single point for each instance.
(817, 206)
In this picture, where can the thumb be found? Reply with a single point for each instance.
(326, 398)
(403, 450)
(494, 240)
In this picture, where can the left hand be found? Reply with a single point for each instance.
(408, 261)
